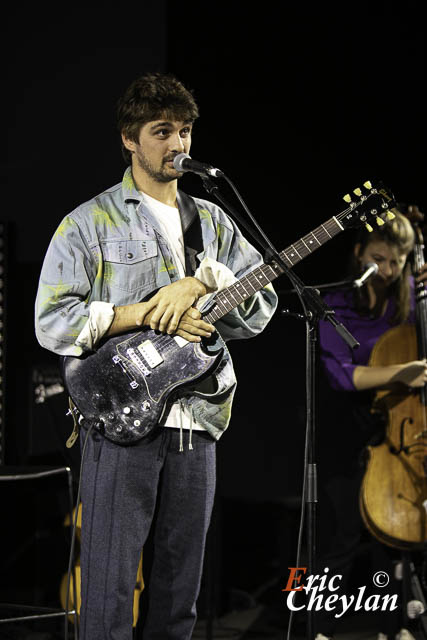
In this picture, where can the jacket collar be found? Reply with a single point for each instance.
(129, 190)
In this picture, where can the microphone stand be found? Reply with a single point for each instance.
(315, 309)
(341, 285)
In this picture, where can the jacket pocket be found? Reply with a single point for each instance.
(129, 265)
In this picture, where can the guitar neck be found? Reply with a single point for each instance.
(242, 289)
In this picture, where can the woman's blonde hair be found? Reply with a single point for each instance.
(397, 233)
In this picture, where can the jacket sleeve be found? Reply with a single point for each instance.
(62, 303)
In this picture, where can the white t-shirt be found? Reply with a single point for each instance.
(170, 223)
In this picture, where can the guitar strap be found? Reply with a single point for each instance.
(191, 230)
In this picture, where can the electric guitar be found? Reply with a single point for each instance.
(123, 386)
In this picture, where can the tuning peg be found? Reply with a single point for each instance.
(347, 197)
(380, 221)
(368, 226)
(390, 215)
(357, 192)
(367, 184)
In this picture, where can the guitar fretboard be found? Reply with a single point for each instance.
(235, 294)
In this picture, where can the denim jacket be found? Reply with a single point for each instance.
(111, 249)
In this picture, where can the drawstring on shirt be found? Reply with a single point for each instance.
(181, 437)
(190, 444)
(181, 409)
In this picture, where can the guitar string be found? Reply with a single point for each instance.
(300, 247)
(258, 274)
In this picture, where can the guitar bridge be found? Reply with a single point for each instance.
(133, 383)
(134, 357)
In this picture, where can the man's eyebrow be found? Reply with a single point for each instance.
(168, 123)
(161, 124)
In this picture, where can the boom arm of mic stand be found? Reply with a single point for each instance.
(342, 330)
(324, 312)
(342, 285)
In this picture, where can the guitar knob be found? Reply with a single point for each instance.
(100, 426)
(126, 410)
(137, 423)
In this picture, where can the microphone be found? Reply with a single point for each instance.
(371, 268)
(183, 162)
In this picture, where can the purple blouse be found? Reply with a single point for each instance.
(337, 357)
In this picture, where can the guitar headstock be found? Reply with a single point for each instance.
(369, 205)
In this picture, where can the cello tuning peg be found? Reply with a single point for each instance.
(357, 192)
(368, 226)
(390, 215)
(380, 221)
(367, 184)
(347, 197)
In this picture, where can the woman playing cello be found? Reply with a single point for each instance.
(385, 301)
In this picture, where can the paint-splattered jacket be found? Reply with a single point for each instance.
(111, 249)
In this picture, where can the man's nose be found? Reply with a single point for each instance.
(176, 143)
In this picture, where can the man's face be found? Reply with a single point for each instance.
(158, 143)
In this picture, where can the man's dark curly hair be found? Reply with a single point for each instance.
(151, 97)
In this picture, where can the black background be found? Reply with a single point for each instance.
(300, 103)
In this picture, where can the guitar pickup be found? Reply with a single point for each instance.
(150, 353)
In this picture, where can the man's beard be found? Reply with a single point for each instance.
(160, 175)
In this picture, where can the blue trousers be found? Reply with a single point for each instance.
(125, 492)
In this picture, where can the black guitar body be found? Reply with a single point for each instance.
(123, 386)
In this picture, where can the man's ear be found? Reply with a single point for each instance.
(128, 143)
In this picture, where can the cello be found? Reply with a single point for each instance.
(393, 495)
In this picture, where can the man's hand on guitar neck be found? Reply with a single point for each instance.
(170, 311)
